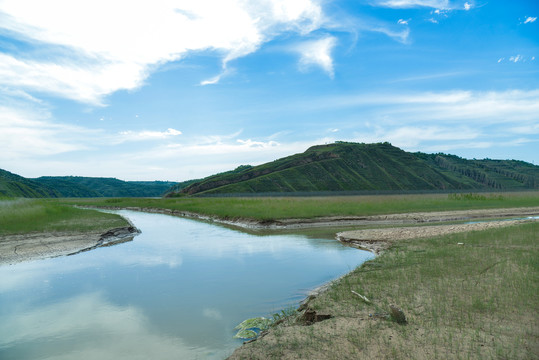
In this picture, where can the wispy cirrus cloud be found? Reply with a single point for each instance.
(516, 58)
(363, 24)
(498, 106)
(398, 35)
(411, 137)
(31, 133)
(529, 20)
(403, 4)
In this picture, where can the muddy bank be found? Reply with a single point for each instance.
(332, 221)
(34, 246)
(377, 240)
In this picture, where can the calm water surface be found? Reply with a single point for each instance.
(175, 292)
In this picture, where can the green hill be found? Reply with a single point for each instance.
(77, 186)
(378, 167)
(13, 185)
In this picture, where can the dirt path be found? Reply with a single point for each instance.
(377, 240)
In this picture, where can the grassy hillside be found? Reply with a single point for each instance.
(353, 167)
(13, 185)
(179, 186)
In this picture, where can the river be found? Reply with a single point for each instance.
(175, 292)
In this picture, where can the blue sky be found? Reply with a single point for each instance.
(176, 90)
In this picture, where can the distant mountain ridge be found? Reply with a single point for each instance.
(78, 186)
(358, 167)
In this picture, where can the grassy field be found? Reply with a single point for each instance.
(268, 208)
(40, 215)
(472, 301)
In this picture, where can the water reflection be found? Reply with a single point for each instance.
(177, 291)
(88, 327)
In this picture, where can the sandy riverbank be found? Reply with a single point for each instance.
(377, 240)
(26, 247)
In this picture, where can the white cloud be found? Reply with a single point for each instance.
(148, 135)
(257, 144)
(211, 81)
(105, 49)
(86, 83)
(516, 58)
(432, 20)
(437, 4)
(403, 22)
(317, 53)
(530, 19)
(467, 6)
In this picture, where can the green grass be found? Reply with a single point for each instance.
(269, 208)
(40, 215)
(472, 301)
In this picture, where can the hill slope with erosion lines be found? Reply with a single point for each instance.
(360, 167)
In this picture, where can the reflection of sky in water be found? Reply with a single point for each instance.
(177, 291)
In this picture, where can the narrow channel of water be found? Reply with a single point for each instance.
(176, 292)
